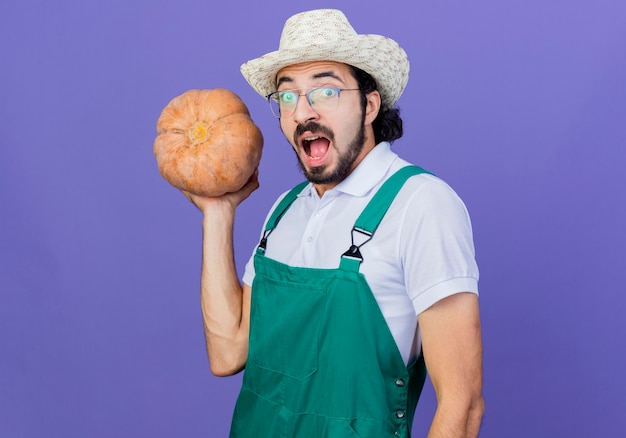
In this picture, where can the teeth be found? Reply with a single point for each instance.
(311, 138)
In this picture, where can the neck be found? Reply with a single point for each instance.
(367, 148)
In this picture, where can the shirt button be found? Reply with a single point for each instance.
(396, 433)
(399, 383)
(400, 413)
(309, 239)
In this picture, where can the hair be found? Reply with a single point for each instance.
(388, 124)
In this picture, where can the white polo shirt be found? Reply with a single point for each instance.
(422, 251)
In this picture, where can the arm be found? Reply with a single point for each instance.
(225, 303)
(452, 345)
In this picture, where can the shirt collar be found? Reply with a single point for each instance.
(367, 174)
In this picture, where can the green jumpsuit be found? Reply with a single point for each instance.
(322, 361)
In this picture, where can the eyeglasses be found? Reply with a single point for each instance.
(284, 102)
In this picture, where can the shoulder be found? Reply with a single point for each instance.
(428, 194)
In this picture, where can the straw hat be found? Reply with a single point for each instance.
(326, 35)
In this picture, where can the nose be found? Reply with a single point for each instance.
(304, 112)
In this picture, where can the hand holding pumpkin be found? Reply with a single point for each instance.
(207, 144)
(228, 200)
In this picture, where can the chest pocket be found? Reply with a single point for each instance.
(290, 315)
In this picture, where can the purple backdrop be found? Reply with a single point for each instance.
(520, 105)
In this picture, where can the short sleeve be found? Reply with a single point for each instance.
(436, 245)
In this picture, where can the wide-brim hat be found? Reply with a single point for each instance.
(326, 35)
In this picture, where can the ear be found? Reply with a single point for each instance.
(373, 107)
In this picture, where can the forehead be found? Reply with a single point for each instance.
(315, 71)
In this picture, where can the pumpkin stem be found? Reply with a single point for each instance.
(198, 133)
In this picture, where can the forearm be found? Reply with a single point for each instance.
(457, 420)
(222, 297)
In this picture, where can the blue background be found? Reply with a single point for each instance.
(519, 105)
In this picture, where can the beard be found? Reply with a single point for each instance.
(345, 160)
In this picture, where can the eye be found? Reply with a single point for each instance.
(287, 97)
(322, 95)
(329, 92)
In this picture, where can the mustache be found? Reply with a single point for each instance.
(312, 127)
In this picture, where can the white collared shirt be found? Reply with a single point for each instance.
(422, 251)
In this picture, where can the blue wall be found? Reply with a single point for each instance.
(520, 106)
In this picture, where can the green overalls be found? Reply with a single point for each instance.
(322, 361)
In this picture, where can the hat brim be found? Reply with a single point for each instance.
(377, 55)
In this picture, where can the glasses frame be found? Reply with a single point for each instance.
(271, 101)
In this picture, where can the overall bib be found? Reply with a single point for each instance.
(322, 361)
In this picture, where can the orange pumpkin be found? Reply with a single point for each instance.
(206, 142)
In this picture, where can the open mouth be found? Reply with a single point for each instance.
(314, 142)
(315, 147)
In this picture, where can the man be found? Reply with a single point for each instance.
(364, 273)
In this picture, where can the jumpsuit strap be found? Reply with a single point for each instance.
(278, 212)
(367, 223)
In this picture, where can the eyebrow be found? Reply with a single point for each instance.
(324, 74)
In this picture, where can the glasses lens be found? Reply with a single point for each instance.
(274, 106)
(324, 98)
(283, 102)
(287, 100)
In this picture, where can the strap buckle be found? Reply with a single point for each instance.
(263, 243)
(359, 238)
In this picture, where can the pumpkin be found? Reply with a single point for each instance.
(206, 142)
